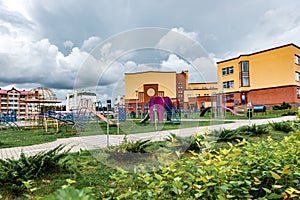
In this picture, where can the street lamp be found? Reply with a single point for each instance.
(136, 102)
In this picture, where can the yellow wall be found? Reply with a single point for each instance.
(166, 82)
(202, 85)
(270, 68)
(200, 89)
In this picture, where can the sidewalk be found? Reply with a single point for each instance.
(98, 141)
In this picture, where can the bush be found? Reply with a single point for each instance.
(225, 135)
(264, 170)
(14, 173)
(289, 113)
(185, 144)
(253, 130)
(283, 126)
(69, 193)
(283, 106)
(139, 146)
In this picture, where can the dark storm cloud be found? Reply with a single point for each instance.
(51, 45)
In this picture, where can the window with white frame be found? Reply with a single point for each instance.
(228, 84)
(297, 59)
(227, 71)
(244, 74)
(297, 76)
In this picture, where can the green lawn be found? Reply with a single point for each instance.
(133, 126)
(96, 177)
(268, 114)
(24, 137)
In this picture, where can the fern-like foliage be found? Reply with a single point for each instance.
(14, 172)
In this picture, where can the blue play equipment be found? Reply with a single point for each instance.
(9, 119)
(172, 112)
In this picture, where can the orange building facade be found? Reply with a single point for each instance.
(140, 87)
(267, 77)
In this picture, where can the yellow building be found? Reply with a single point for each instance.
(197, 95)
(141, 86)
(266, 77)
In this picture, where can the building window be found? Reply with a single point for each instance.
(298, 93)
(297, 76)
(189, 96)
(229, 97)
(297, 59)
(227, 71)
(245, 74)
(228, 84)
(130, 106)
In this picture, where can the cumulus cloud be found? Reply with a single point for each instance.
(68, 44)
(89, 44)
(40, 47)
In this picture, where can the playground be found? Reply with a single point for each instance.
(85, 120)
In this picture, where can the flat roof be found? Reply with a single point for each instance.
(205, 83)
(40, 101)
(150, 72)
(262, 51)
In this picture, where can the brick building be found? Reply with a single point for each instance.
(266, 77)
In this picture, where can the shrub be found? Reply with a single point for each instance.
(185, 144)
(283, 106)
(14, 173)
(282, 126)
(226, 135)
(264, 170)
(69, 193)
(253, 130)
(138, 146)
(289, 113)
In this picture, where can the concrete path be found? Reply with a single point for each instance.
(97, 141)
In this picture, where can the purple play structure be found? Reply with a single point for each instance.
(160, 105)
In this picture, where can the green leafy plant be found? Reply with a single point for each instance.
(226, 135)
(16, 176)
(69, 193)
(253, 130)
(138, 146)
(283, 106)
(283, 126)
(262, 170)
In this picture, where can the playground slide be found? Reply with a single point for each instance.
(232, 111)
(98, 114)
(204, 111)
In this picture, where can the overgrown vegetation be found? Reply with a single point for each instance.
(283, 106)
(15, 174)
(264, 169)
(245, 171)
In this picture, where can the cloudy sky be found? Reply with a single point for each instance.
(70, 44)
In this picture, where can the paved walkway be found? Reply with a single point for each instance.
(92, 142)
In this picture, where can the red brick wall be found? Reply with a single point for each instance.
(273, 96)
(181, 77)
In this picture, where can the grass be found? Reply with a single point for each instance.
(133, 126)
(91, 174)
(26, 137)
(269, 114)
